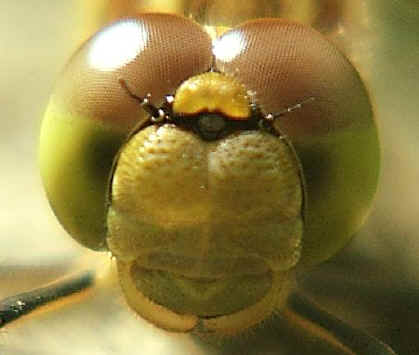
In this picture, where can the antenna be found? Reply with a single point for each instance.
(157, 114)
(274, 116)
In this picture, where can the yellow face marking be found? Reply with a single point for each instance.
(205, 228)
(212, 92)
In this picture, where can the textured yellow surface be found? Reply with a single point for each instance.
(187, 211)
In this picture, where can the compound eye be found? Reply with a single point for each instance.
(334, 135)
(89, 116)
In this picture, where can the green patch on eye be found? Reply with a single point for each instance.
(76, 156)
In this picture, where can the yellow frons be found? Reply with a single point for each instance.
(212, 92)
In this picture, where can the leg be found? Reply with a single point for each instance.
(307, 318)
(14, 307)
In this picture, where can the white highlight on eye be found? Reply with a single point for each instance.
(229, 46)
(117, 45)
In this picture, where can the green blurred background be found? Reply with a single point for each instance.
(373, 283)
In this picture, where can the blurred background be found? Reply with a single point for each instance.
(373, 283)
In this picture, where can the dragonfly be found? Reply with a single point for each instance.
(297, 314)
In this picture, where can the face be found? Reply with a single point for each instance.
(205, 212)
(209, 199)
